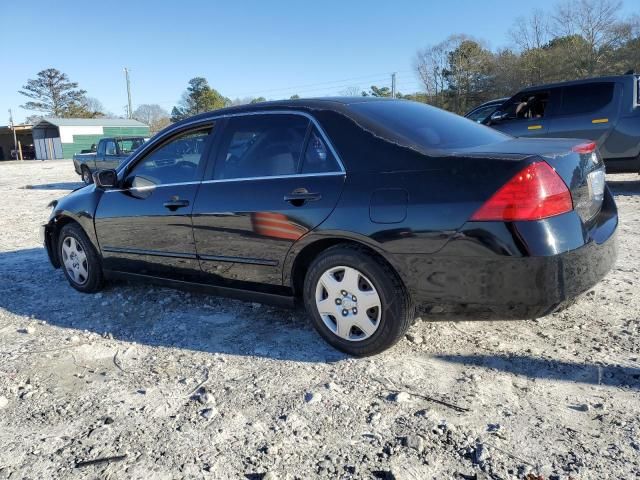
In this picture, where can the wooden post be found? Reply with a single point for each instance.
(20, 150)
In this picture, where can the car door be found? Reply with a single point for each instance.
(274, 177)
(524, 115)
(145, 226)
(586, 111)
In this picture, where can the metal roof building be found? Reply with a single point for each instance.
(63, 137)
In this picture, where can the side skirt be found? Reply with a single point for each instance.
(287, 301)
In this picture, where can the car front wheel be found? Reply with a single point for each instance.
(79, 259)
(356, 301)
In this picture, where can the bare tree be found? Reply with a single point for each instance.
(532, 31)
(596, 26)
(153, 115)
(352, 91)
(431, 64)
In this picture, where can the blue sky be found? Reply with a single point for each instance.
(244, 48)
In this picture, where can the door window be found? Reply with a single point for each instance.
(101, 149)
(261, 145)
(527, 106)
(581, 99)
(317, 156)
(176, 161)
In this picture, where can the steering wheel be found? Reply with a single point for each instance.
(186, 165)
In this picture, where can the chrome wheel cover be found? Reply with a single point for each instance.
(348, 303)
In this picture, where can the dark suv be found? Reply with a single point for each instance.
(605, 110)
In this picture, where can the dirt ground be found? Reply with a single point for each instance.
(156, 383)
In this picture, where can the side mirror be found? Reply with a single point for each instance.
(498, 116)
(106, 178)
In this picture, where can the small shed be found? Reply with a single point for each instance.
(64, 137)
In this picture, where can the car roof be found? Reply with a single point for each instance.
(491, 102)
(338, 104)
(610, 78)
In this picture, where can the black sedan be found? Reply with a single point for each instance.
(370, 211)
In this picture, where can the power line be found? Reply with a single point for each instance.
(360, 78)
(331, 87)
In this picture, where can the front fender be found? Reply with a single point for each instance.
(79, 207)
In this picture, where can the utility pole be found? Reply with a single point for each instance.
(15, 138)
(126, 74)
(393, 85)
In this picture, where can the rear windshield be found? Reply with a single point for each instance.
(425, 127)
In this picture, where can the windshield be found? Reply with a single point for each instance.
(129, 145)
(480, 114)
(427, 128)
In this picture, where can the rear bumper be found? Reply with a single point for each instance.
(518, 279)
(76, 166)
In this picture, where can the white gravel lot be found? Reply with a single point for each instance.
(158, 383)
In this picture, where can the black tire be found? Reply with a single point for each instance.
(94, 280)
(86, 175)
(397, 309)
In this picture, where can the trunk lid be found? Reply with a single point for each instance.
(578, 163)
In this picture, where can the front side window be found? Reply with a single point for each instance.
(261, 146)
(176, 161)
(587, 98)
(527, 106)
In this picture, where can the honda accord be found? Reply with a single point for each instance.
(369, 211)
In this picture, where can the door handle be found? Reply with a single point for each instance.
(300, 196)
(175, 203)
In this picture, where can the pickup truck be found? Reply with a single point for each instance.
(605, 110)
(110, 152)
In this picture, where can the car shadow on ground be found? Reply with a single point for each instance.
(55, 186)
(622, 187)
(149, 315)
(532, 367)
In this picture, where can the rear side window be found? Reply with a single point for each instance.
(587, 98)
(426, 127)
(317, 156)
(261, 146)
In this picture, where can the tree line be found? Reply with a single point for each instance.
(577, 39)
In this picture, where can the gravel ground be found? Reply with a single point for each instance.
(156, 383)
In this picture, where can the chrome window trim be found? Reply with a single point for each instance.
(152, 143)
(293, 175)
(224, 180)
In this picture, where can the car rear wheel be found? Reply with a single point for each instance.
(79, 260)
(86, 175)
(356, 301)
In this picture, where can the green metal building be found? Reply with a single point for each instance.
(63, 137)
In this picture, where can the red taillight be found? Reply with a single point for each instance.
(535, 192)
(588, 147)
